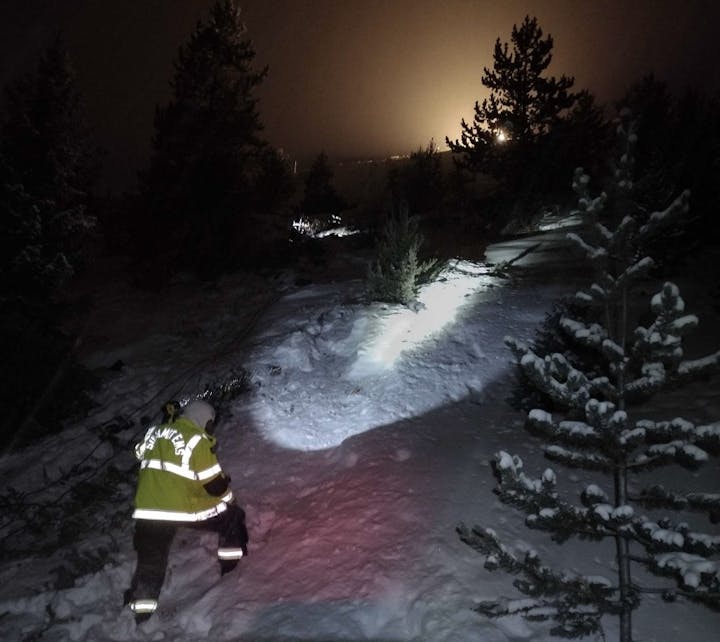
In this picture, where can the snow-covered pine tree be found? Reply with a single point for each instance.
(611, 437)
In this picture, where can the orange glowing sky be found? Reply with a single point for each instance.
(356, 78)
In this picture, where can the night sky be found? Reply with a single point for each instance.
(356, 78)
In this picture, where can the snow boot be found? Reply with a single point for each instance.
(140, 618)
(227, 565)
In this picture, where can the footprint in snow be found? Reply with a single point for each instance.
(401, 454)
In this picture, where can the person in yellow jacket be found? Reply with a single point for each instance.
(180, 483)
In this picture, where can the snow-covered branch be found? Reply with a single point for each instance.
(696, 368)
(576, 601)
(638, 270)
(587, 204)
(508, 472)
(660, 220)
(591, 335)
(693, 572)
(577, 433)
(594, 253)
(679, 441)
(557, 378)
(659, 497)
(666, 535)
(537, 497)
(577, 459)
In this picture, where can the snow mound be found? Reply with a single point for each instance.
(349, 367)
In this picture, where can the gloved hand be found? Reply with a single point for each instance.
(218, 486)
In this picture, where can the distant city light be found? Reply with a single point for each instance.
(317, 228)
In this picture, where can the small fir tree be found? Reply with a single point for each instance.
(598, 426)
(274, 184)
(321, 200)
(397, 271)
(419, 182)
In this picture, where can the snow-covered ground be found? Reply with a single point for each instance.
(365, 439)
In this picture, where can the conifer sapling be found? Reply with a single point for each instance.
(600, 427)
(397, 271)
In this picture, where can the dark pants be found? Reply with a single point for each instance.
(153, 539)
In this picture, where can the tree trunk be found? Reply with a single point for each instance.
(622, 545)
(622, 553)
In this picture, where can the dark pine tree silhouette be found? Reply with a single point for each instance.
(524, 106)
(679, 145)
(321, 199)
(419, 182)
(48, 168)
(207, 151)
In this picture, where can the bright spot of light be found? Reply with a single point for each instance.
(355, 367)
(319, 228)
(501, 136)
(405, 329)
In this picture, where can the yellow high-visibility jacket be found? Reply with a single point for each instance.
(176, 461)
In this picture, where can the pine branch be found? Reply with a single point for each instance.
(587, 205)
(697, 368)
(638, 270)
(574, 433)
(658, 221)
(575, 459)
(593, 298)
(680, 452)
(594, 253)
(677, 441)
(573, 621)
(695, 574)
(653, 379)
(591, 335)
(537, 498)
(559, 380)
(579, 601)
(622, 237)
(708, 599)
(642, 463)
(659, 497)
(645, 561)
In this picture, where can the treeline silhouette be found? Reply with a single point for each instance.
(217, 197)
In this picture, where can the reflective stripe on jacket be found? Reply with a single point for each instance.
(176, 460)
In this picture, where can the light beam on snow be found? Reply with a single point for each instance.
(351, 368)
(405, 329)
